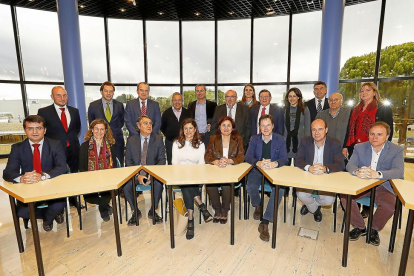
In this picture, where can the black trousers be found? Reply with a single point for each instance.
(55, 207)
(100, 199)
(214, 194)
(189, 193)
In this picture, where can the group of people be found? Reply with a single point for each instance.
(319, 136)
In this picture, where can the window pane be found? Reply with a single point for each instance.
(350, 92)
(40, 44)
(189, 94)
(163, 52)
(126, 50)
(398, 40)
(93, 48)
(92, 93)
(8, 59)
(38, 96)
(222, 92)
(163, 95)
(270, 56)
(198, 52)
(359, 44)
(278, 92)
(306, 40)
(234, 51)
(306, 89)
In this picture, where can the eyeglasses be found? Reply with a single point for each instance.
(33, 128)
(199, 91)
(264, 97)
(146, 123)
(108, 91)
(334, 100)
(230, 97)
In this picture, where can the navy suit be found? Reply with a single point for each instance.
(96, 111)
(254, 179)
(133, 111)
(55, 130)
(53, 163)
(278, 118)
(312, 107)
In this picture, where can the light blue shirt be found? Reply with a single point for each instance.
(318, 157)
(143, 140)
(111, 106)
(201, 117)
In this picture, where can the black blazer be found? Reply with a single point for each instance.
(332, 154)
(277, 114)
(170, 126)
(83, 157)
(312, 108)
(55, 130)
(21, 159)
(155, 154)
(210, 108)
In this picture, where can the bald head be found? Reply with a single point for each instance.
(335, 102)
(231, 98)
(59, 96)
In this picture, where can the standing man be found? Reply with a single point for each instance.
(266, 108)
(113, 112)
(171, 120)
(140, 107)
(202, 111)
(63, 124)
(318, 154)
(35, 159)
(239, 112)
(318, 103)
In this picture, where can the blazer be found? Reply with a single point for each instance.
(304, 129)
(133, 111)
(278, 150)
(242, 121)
(55, 128)
(21, 159)
(390, 162)
(83, 156)
(215, 149)
(332, 154)
(312, 108)
(210, 108)
(155, 154)
(170, 126)
(278, 118)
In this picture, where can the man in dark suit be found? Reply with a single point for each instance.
(202, 111)
(145, 148)
(239, 112)
(267, 151)
(318, 154)
(266, 107)
(35, 159)
(318, 103)
(113, 112)
(171, 120)
(63, 124)
(376, 159)
(142, 106)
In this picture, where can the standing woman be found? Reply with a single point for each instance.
(225, 148)
(188, 148)
(249, 95)
(98, 153)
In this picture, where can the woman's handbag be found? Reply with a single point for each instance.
(180, 217)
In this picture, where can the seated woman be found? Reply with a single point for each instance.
(98, 153)
(189, 149)
(225, 148)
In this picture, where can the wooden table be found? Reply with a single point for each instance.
(64, 186)
(182, 175)
(339, 183)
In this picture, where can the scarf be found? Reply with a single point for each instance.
(292, 135)
(360, 122)
(103, 160)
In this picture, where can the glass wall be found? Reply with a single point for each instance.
(8, 59)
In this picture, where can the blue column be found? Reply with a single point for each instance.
(72, 57)
(331, 39)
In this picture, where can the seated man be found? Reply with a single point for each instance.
(37, 158)
(318, 154)
(145, 148)
(266, 150)
(381, 159)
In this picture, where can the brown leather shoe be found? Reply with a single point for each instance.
(60, 219)
(257, 212)
(217, 216)
(47, 227)
(264, 232)
(223, 219)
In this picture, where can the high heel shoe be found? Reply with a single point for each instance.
(190, 229)
(206, 214)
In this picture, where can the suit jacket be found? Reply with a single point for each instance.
(210, 108)
(390, 162)
(215, 149)
(133, 111)
(242, 121)
(55, 130)
(278, 118)
(21, 159)
(332, 154)
(278, 150)
(170, 126)
(83, 157)
(312, 107)
(155, 154)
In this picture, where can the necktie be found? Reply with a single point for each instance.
(143, 109)
(144, 156)
(230, 115)
(64, 123)
(37, 165)
(319, 108)
(108, 113)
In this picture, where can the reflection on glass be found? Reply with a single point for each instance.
(189, 94)
(38, 96)
(350, 92)
(8, 60)
(278, 92)
(92, 93)
(163, 95)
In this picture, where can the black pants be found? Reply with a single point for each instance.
(189, 193)
(55, 207)
(213, 193)
(100, 199)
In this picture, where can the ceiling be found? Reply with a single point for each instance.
(184, 9)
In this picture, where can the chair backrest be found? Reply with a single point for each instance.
(118, 164)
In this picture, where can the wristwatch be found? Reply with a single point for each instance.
(379, 174)
(43, 177)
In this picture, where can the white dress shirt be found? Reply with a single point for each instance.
(59, 112)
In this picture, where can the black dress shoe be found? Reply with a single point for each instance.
(206, 214)
(317, 216)
(304, 210)
(60, 219)
(158, 219)
(355, 233)
(47, 227)
(374, 238)
(190, 229)
(132, 221)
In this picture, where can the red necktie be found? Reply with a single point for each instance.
(143, 109)
(261, 114)
(37, 165)
(64, 123)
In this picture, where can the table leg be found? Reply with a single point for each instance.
(116, 225)
(371, 212)
(407, 242)
(119, 206)
(245, 196)
(262, 198)
(152, 201)
(170, 202)
(346, 233)
(232, 214)
(394, 225)
(36, 239)
(134, 192)
(275, 210)
(16, 224)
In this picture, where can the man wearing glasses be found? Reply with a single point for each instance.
(318, 103)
